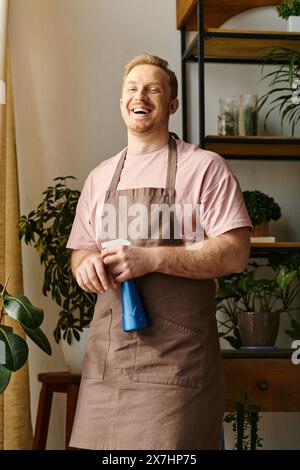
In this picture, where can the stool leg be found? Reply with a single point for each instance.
(72, 395)
(42, 420)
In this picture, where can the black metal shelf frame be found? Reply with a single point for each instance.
(188, 56)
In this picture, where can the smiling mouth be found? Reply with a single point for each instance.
(141, 111)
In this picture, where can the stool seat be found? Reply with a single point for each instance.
(60, 382)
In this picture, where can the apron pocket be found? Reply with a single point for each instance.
(97, 346)
(169, 353)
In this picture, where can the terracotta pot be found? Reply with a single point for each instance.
(261, 231)
(258, 329)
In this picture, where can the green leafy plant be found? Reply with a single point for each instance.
(289, 8)
(261, 207)
(289, 267)
(284, 84)
(13, 348)
(244, 419)
(47, 229)
(247, 292)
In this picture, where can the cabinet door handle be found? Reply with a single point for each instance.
(262, 385)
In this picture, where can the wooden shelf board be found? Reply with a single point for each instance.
(261, 250)
(267, 147)
(276, 245)
(216, 12)
(240, 353)
(186, 11)
(245, 48)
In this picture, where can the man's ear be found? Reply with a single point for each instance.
(121, 101)
(174, 106)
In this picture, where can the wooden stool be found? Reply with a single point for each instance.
(61, 382)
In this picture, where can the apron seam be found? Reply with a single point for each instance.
(108, 347)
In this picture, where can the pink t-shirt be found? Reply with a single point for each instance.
(202, 177)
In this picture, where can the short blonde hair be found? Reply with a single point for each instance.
(149, 59)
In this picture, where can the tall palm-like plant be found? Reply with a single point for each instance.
(284, 86)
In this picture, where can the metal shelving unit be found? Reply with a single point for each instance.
(212, 44)
(229, 46)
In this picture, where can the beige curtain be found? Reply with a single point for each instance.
(15, 421)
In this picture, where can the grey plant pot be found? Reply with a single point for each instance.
(258, 329)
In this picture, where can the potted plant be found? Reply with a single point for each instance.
(284, 86)
(13, 348)
(261, 209)
(244, 418)
(290, 10)
(47, 229)
(228, 120)
(289, 266)
(249, 306)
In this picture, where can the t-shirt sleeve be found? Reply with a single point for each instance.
(223, 207)
(82, 236)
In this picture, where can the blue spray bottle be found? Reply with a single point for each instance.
(134, 316)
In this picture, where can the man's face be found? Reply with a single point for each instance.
(146, 102)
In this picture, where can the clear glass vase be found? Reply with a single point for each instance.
(249, 115)
(228, 119)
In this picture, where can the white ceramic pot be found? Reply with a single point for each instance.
(294, 24)
(74, 353)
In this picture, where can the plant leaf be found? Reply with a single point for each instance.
(16, 350)
(5, 375)
(20, 308)
(39, 338)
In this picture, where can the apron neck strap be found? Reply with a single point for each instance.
(172, 163)
(172, 166)
(117, 175)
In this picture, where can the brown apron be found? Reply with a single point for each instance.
(162, 387)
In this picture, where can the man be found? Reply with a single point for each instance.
(160, 387)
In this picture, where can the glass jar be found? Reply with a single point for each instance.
(249, 115)
(296, 91)
(228, 119)
(225, 125)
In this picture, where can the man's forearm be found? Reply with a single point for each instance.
(217, 257)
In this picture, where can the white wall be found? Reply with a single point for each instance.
(67, 58)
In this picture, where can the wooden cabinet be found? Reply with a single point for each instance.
(271, 379)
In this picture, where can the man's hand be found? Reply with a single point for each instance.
(90, 272)
(127, 262)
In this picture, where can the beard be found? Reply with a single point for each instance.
(147, 127)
